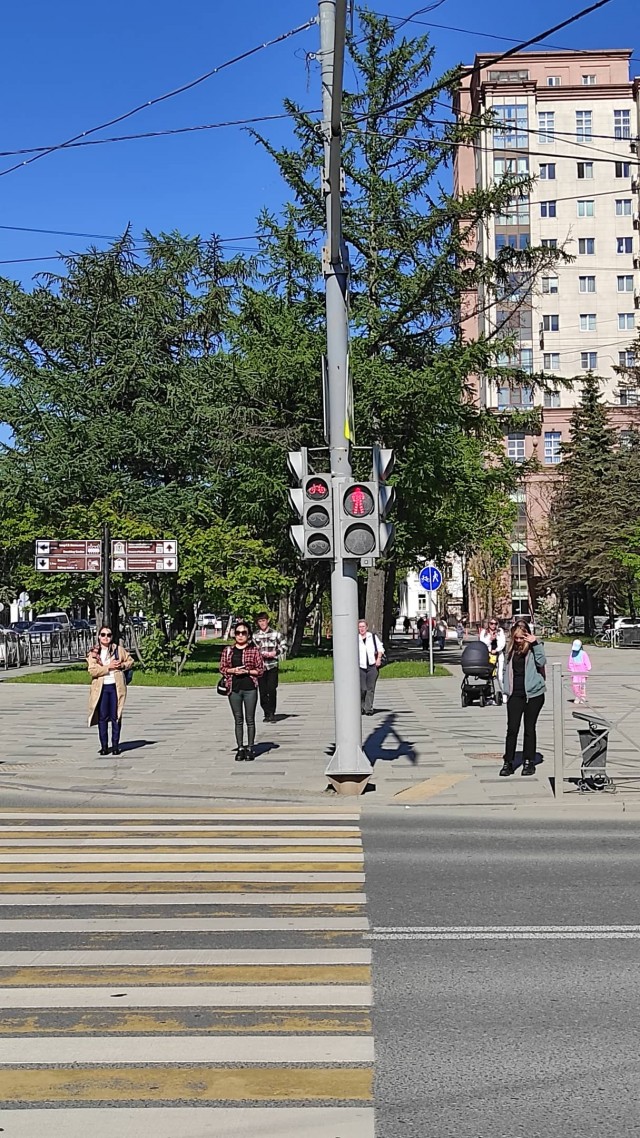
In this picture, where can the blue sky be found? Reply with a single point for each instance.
(68, 67)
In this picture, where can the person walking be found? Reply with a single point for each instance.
(524, 689)
(107, 665)
(423, 633)
(241, 665)
(494, 638)
(272, 647)
(460, 633)
(406, 624)
(579, 666)
(371, 650)
(441, 633)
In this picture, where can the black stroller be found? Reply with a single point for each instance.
(479, 675)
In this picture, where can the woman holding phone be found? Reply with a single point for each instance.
(241, 666)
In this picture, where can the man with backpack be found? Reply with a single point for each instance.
(371, 650)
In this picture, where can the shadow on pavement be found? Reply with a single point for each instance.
(135, 744)
(375, 747)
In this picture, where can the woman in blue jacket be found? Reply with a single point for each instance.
(524, 688)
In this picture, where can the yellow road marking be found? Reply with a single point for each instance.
(431, 787)
(113, 975)
(120, 851)
(256, 887)
(176, 1084)
(168, 866)
(210, 1021)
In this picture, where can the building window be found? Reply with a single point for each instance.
(512, 241)
(515, 447)
(511, 131)
(549, 243)
(587, 284)
(586, 208)
(546, 127)
(552, 444)
(551, 361)
(623, 169)
(589, 80)
(520, 397)
(516, 212)
(589, 360)
(552, 398)
(554, 81)
(625, 284)
(583, 126)
(628, 396)
(550, 285)
(623, 207)
(551, 323)
(624, 244)
(510, 167)
(627, 358)
(584, 169)
(508, 76)
(627, 439)
(626, 321)
(622, 124)
(587, 321)
(548, 171)
(586, 246)
(547, 209)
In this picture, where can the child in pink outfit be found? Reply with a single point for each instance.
(579, 666)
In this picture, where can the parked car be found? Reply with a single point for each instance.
(81, 625)
(44, 628)
(14, 650)
(60, 618)
(208, 620)
(19, 625)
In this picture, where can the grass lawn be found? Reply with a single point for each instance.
(201, 671)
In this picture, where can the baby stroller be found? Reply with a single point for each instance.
(479, 675)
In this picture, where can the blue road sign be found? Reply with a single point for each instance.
(430, 578)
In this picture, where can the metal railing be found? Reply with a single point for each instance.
(64, 646)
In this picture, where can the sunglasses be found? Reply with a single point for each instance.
(107, 635)
(241, 632)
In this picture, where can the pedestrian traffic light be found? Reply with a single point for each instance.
(312, 501)
(358, 520)
(383, 463)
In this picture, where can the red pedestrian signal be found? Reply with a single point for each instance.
(358, 501)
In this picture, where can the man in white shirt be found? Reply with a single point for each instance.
(371, 650)
(495, 640)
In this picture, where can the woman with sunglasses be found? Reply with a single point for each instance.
(106, 664)
(524, 688)
(241, 666)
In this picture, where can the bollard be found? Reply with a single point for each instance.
(558, 730)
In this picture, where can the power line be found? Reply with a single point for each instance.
(163, 98)
(152, 134)
(108, 236)
(484, 35)
(467, 72)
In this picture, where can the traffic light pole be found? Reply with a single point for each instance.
(349, 768)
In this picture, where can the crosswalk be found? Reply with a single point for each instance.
(184, 974)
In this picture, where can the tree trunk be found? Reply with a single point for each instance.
(298, 616)
(374, 611)
(284, 622)
(389, 602)
(588, 611)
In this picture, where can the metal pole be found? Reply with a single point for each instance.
(430, 595)
(558, 730)
(349, 758)
(106, 577)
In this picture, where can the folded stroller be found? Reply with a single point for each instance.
(479, 675)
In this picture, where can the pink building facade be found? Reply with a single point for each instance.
(571, 120)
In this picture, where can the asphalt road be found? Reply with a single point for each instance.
(504, 1038)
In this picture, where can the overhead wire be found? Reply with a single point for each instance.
(164, 97)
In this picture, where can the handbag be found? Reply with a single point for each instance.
(221, 687)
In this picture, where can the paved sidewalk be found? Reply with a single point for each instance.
(178, 745)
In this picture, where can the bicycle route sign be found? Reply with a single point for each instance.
(430, 578)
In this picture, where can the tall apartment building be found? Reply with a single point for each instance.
(571, 120)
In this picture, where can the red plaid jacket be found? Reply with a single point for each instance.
(251, 658)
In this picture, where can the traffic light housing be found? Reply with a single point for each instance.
(383, 463)
(365, 534)
(313, 503)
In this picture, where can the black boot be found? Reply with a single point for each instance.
(528, 767)
(103, 751)
(240, 755)
(249, 754)
(506, 768)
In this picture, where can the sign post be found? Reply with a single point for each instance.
(431, 580)
(156, 556)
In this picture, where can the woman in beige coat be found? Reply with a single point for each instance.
(107, 664)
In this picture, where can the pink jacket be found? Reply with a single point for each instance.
(579, 665)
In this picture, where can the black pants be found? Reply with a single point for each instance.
(517, 707)
(243, 704)
(108, 713)
(268, 686)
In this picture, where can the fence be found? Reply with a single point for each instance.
(613, 695)
(66, 646)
